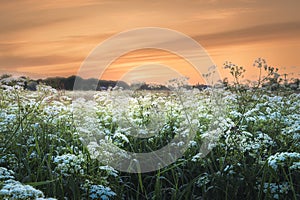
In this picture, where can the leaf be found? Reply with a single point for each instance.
(41, 183)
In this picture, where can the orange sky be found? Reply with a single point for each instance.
(52, 38)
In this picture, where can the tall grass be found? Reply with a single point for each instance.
(256, 156)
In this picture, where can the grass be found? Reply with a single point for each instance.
(254, 154)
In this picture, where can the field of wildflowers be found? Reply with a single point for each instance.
(55, 147)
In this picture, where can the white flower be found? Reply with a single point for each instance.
(6, 174)
(111, 171)
(192, 143)
(68, 164)
(100, 192)
(15, 190)
(275, 188)
(280, 158)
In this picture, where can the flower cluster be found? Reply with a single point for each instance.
(232, 142)
(100, 192)
(15, 190)
(284, 158)
(6, 174)
(69, 164)
(276, 189)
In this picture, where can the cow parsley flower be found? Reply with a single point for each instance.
(281, 158)
(295, 166)
(68, 164)
(6, 174)
(15, 190)
(100, 192)
(276, 189)
(110, 170)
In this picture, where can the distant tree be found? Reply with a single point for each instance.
(89, 84)
(69, 82)
(3, 76)
(32, 85)
(106, 84)
(200, 86)
(123, 85)
(56, 82)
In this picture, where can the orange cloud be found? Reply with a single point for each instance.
(157, 65)
(54, 38)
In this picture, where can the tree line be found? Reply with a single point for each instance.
(62, 83)
(67, 83)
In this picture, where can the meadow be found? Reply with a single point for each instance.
(53, 146)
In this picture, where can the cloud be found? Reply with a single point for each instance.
(31, 61)
(17, 24)
(43, 35)
(28, 15)
(259, 33)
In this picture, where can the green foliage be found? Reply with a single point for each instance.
(255, 157)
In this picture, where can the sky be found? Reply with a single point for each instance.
(53, 38)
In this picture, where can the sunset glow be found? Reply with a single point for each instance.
(41, 39)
